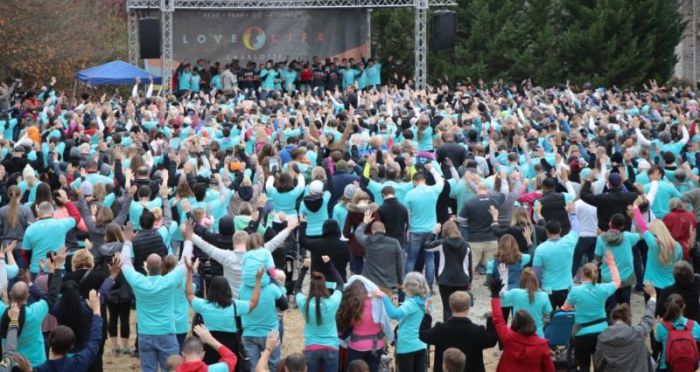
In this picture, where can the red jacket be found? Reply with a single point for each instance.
(679, 223)
(227, 357)
(520, 353)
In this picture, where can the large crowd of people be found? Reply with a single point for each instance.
(254, 193)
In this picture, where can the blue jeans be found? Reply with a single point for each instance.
(357, 263)
(155, 350)
(254, 347)
(321, 360)
(415, 248)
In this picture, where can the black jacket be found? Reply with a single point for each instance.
(329, 244)
(462, 334)
(609, 203)
(394, 215)
(145, 243)
(690, 293)
(457, 258)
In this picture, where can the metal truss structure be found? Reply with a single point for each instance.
(168, 7)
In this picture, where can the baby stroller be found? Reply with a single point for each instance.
(559, 334)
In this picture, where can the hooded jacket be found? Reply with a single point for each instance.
(520, 353)
(356, 213)
(329, 244)
(623, 348)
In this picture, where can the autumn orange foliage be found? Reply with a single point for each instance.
(40, 38)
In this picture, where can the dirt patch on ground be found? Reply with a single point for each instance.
(294, 329)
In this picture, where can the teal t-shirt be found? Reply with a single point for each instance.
(219, 318)
(285, 201)
(315, 220)
(154, 299)
(409, 314)
(622, 253)
(660, 275)
(665, 193)
(44, 236)
(263, 318)
(325, 333)
(662, 335)
(588, 299)
(252, 261)
(136, 209)
(421, 203)
(461, 192)
(519, 299)
(556, 257)
(340, 214)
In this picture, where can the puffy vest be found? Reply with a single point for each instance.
(554, 208)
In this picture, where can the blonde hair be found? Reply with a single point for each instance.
(245, 209)
(664, 240)
(414, 284)
(255, 241)
(590, 271)
(240, 237)
(318, 174)
(82, 259)
(157, 213)
(520, 217)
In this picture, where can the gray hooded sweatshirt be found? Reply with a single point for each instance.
(623, 348)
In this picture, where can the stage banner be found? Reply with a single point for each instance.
(275, 34)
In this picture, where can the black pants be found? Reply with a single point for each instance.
(584, 248)
(621, 296)
(557, 298)
(119, 315)
(585, 347)
(445, 292)
(639, 254)
(412, 362)
(372, 358)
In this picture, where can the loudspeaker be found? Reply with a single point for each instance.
(149, 38)
(443, 30)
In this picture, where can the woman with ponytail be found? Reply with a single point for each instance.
(529, 297)
(673, 317)
(588, 302)
(664, 251)
(319, 309)
(620, 244)
(14, 217)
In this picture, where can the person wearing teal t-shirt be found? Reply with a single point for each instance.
(48, 234)
(588, 302)
(411, 352)
(673, 318)
(554, 258)
(420, 203)
(620, 243)
(155, 295)
(659, 192)
(219, 311)
(528, 297)
(318, 308)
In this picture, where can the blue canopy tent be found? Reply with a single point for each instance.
(115, 73)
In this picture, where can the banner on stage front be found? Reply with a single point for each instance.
(269, 35)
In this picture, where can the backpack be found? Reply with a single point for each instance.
(681, 349)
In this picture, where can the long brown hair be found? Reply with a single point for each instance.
(113, 233)
(15, 194)
(520, 217)
(508, 250)
(528, 281)
(317, 291)
(351, 306)
(450, 230)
